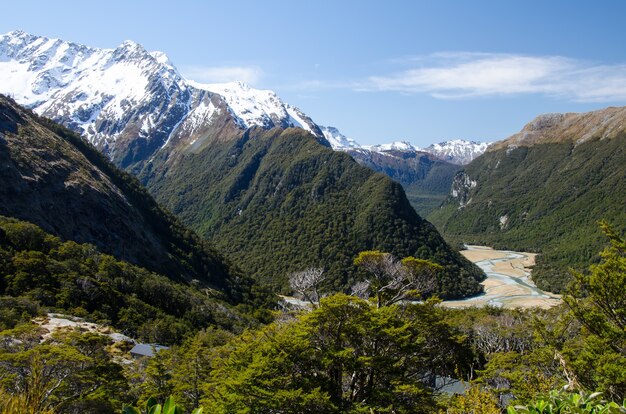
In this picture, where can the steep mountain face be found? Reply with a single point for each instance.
(278, 201)
(426, 179)
(132, 104)
(51, 177)
(458, 151)
(544, 189)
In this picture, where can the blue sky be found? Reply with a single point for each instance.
(422, 71)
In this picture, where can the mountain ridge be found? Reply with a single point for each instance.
(278, 201)
(132, 104)
(198, 136)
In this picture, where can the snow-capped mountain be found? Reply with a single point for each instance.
(337, 140)
(255, 107)
(133, 104)
(129, 102)
(458, 151)
(394, 146)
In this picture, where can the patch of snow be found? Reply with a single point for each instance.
(394, 146)
(337, 140)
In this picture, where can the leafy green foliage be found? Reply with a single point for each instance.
(279, 202)
(475, 400)
(552, 195)
(563, 402)
(152, 407)
(345, 356)
(391, 281)
(41, 270)
(56, 373)
(598, 301)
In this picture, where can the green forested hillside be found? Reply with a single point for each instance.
(278, 201)
(425, 178)
(43, 271)
(546, 197)
(51, 177)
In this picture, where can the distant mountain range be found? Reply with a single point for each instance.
(133, 104)
(243, 168)
(456, 151)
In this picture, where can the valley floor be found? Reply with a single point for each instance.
(508, 282)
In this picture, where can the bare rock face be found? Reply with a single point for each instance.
(571, 127)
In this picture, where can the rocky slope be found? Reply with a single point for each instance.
(544, 189)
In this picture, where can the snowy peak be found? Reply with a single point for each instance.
(49, 74)
(458, 151)
(455, 151)
(257, 107)
(337, 140)
(129, 102)
(394, 146)
(252, 107)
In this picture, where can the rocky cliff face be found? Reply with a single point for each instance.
(576, 128)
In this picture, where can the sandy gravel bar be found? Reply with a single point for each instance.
(508, 282)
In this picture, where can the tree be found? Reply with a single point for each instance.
(475, 400)
(391, 281)
(344, 356)
(191, 366)
(63, 369)
(307, 283)
(598, 301)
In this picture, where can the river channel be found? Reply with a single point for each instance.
(508, 282)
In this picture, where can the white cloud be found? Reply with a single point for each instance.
(219, 74)
(462, 75)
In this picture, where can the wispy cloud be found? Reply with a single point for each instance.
(464, 75)
(217, 74)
